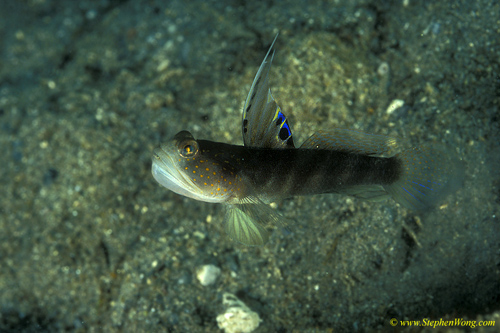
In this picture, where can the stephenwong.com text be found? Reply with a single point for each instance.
(457, 322)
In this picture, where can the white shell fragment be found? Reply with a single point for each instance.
(395, 104)
(207, 274)
(238, 318)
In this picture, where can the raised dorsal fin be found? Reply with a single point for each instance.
(264, 125)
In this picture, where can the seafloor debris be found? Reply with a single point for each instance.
(207, 274)
(238, 318)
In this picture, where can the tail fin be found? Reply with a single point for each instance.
(428, 175)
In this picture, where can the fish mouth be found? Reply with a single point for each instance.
(166, 172)
(170, 174)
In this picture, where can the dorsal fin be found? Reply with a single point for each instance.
(353, 141)
(264, 125)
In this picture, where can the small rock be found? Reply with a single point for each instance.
(207, 274)
(395, 104)
(237, 318)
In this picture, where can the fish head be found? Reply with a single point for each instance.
(181, 166)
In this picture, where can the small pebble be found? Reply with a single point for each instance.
(207, 274)
(383, 69)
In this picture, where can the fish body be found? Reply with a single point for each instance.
(269, 167)
(231, 171)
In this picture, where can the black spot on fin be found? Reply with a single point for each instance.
(264, 125)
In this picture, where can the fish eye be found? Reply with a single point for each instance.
(188, 148)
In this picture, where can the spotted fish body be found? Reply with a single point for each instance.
(269, 167)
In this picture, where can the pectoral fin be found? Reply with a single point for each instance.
(250, 221)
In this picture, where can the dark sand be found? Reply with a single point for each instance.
(90, 242)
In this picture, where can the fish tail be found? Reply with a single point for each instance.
(428, 174)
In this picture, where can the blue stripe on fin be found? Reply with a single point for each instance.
(263, 121)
